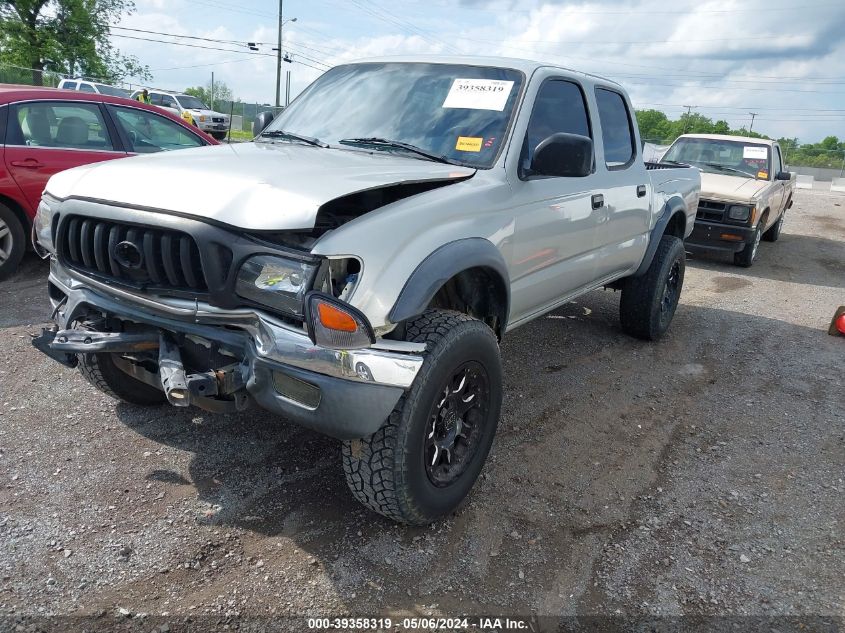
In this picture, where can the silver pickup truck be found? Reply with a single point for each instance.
(354, 268)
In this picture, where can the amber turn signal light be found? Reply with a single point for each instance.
(334, 324)
(335, 319)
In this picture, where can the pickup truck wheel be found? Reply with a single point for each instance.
(12, 241)
(649, 301)
(101, 371)
(746, 256)
(773, 233)
(425, 459)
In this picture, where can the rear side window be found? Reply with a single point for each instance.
(69, 85)
(149, 132)
(155, 98)
(559, 107)
(616, 128)
(61, 125)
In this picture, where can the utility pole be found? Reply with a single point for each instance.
(287, 90)
(279, 59)
(686, 120)
(212, 89)
(751, 127)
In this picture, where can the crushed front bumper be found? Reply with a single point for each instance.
(717, 236)
(343, 393)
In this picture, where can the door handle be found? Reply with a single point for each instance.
(641, 191)
(598, 201)
(29, 163)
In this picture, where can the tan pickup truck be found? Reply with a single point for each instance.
(745, 192)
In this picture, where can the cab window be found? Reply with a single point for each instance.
(60, 125)
(69, 85)
(616, 128)
(559, 107)
(168, 102)
(83, 87)
(148, 132)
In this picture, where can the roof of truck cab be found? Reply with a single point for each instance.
(728, 137)
(527, 66)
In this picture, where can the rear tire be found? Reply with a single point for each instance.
(100, 371)
(12, 241)
(425, 459)
(649, 301)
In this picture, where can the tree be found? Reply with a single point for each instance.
(654, 125)
(830, 142)
(222, 92)
(66, 36)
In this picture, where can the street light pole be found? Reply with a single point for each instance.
(279, 58)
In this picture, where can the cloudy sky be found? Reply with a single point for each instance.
(781, 59)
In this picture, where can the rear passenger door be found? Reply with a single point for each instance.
(622, 231)
(555, 219)
(46, 137)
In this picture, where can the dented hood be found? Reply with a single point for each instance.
(254, 186)
(732, 188)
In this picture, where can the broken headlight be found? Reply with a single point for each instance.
(276, 282)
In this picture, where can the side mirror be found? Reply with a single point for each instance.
(261, 122)
(783, 175)
(563, 155)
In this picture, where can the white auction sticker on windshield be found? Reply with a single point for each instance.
(479, 94)
(754, 152)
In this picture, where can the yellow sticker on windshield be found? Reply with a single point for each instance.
(763, 174)
(468, 144)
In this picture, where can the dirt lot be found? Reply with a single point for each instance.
(701, 476)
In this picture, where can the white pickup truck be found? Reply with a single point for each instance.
(354, 268)
(745, 192)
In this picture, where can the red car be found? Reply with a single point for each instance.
(44, 131)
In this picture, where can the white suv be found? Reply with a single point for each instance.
(192, 110)
(91, 86)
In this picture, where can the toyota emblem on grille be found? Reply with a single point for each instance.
(128, 255)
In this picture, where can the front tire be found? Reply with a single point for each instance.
(101, 371)
(220, 136)
(746, 256)
(649, 301)
(424, 461)
(773, 233)
(12, 241)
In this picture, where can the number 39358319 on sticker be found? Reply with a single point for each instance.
(479, 94)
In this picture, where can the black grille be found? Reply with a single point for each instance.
(217, 119)
(163, 259)
(711, 211)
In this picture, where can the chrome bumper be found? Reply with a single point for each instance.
(389, 363)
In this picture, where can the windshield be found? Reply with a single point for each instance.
(191, 103)
(719, 156)
(457, 112)
(112, 91)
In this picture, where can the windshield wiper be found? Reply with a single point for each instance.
(726, 168)
(383, 142)
(293, 137)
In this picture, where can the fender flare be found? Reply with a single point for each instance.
(443, 264)
(671, 208)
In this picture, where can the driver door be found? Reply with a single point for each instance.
(556, 217)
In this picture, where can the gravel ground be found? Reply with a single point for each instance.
(698, 477)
